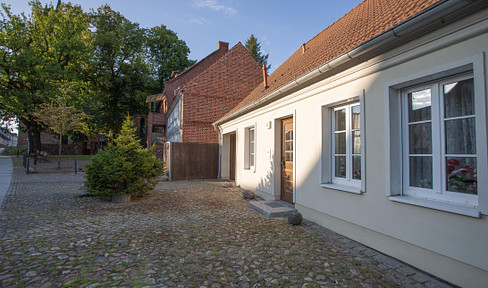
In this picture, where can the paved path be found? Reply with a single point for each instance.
(5, 176)
(183, 234)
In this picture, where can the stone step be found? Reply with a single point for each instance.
(272, 209)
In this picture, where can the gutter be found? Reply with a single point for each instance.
(411, 25)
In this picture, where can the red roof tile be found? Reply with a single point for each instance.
(367, 20)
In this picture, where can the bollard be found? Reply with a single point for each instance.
(75, 166)
(23, 160)
(27, 166)
(35, 159)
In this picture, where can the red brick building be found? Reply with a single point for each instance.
(196, 98)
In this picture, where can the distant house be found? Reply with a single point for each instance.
(4, 139)
(376, 128)
(196, 98)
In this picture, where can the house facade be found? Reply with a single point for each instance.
(210, 95)
(157, 121)
(377, 129)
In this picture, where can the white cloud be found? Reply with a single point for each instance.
(198, 20)
(265, 40)
(214, 5)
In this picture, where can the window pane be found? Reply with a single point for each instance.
(356, 142)
(420, 139)
(289, 156)
(356, 167)
(251, 159)
(340, 166)
(288, 135)
(419, 105)
(251, 135)
(461, 136)
(356, 119)
(459, 98)
(462, 175)
(251, 148)
(340, 120)
(288, 146)
(340, 143)
(420, 171)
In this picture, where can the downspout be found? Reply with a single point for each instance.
(435, 13)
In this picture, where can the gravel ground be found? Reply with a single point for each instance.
(182, 234)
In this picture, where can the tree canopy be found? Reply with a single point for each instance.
(254, 47)
(39, 54)
(108, 63)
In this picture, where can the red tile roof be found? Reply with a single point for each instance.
(367, 20)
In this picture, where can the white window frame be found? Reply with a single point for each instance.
(252, 148)
(439, 190)
(394, 165)
(329, 180)
(349, 179)
(250, 157)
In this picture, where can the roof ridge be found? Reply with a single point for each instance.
(197, 63)
(228, 53)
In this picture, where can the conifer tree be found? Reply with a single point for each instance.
(254, 47)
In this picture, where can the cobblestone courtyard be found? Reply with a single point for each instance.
(183, 234)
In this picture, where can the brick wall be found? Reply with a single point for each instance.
(171, 85)
(216, 91)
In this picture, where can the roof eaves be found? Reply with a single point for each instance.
(431, 14)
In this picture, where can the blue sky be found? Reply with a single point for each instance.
(280, 26)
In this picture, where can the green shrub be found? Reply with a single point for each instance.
(124, 167)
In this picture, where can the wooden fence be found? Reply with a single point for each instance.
(192, 160)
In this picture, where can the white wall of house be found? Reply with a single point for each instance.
(174, 121)
(445, 239)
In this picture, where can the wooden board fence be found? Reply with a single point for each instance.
(192, 160)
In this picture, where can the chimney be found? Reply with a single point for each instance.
(303, 48)
(223, 46)
(265, 77)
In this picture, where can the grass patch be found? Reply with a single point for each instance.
(13, 150)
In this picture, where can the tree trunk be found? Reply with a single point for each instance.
(34, 137)
(60, 147)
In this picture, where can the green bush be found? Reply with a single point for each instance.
(124, 167)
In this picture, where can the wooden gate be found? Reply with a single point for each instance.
(192, 160)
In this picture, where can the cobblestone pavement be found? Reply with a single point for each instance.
(183, 234)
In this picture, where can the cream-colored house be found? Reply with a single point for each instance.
(377, 129)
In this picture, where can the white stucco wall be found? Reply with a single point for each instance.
(448, 245)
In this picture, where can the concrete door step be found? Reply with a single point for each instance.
(272, 209)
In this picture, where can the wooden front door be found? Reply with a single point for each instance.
(287, 160)
(232, 164)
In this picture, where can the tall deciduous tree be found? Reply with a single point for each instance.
(254, 47)
(121, 72)
(40, 53)
(167, 54)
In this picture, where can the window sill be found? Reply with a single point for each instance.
(353, 190)
(446, 207)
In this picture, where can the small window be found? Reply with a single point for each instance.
(343, 158)
(250, 148)
(346, 145)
